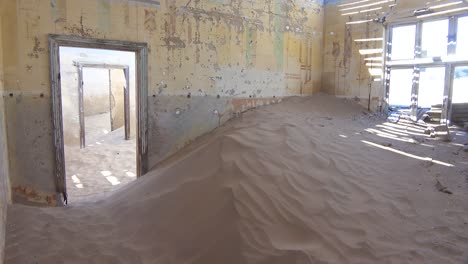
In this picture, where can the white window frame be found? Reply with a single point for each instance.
(449, 62)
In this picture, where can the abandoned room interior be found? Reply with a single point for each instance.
(229, 131)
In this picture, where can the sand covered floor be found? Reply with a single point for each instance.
(107, 162)
(311, 180)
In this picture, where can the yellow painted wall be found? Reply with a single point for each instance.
(344, 70)
(237, 50)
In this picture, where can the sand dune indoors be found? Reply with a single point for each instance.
(310, 180)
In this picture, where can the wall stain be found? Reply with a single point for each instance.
(174, 43)
(348, 48)
(126, 15)
(150, 20)
(336, 49)
(36, 49)
(81, 30)
(28, 193)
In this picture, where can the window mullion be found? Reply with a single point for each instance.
(416, 71)
(452, 37)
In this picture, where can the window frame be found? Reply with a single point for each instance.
(450, 61)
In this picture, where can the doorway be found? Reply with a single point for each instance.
(99, 98)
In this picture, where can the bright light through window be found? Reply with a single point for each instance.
(462, 37)
(403, 40)
(401, 83)
(431, 87)
(460, 85)
(434, 38)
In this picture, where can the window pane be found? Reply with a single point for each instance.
(460, 85)
(403, 40)
(462, 37)
(431, 87)
(401, 84)
(434, 38)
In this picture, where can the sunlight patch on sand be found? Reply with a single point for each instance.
(77, 182)
(407, 154)
(106, 173)
(130, 174)
(113, 180)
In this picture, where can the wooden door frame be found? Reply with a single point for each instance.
(141, 55)
(98, 65)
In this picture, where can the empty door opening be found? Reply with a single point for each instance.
(105, 105)
(100, 117)
(98, 108)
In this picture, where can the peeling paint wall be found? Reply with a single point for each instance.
(345, 73)
(208, 60)
(4, 189)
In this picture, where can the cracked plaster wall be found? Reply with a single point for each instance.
(208, 61)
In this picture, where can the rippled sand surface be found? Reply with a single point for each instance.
(311, 180)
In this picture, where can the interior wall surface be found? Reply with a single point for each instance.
(349, 68)
(95, 91)
(117, 101)
(208, 60)
(4, 187)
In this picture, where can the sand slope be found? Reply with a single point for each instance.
(290, 183)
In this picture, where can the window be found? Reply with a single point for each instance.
(421, 57)
(460, 85)
(401, 83)
(434, 38)
(431, 87)
(403, 41)
(462, 37)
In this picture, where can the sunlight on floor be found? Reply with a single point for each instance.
(130, 174)
(106, 173)
(113, 180)
(77, 182)
(407, 154)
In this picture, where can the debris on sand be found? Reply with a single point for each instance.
(442, 188)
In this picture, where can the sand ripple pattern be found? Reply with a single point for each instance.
(273, 187)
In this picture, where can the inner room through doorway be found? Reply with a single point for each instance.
(99, 120)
